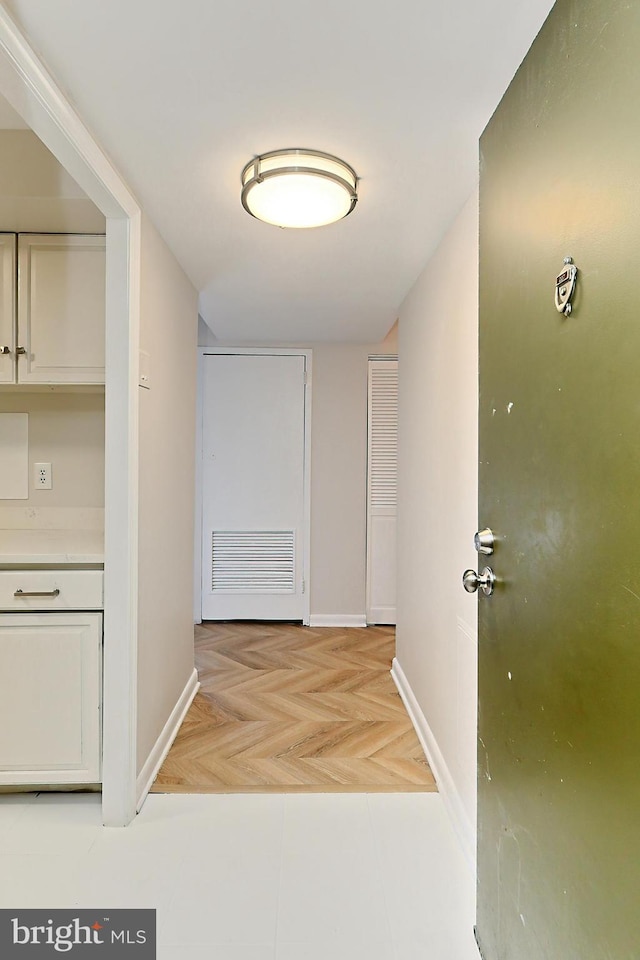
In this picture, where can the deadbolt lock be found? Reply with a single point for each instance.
(484, 541)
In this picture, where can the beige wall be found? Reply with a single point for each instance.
(338, 472)
(339, 475)
(67, 431)
(438, 444)
(338, 479)
(36, 192)
(167, 458)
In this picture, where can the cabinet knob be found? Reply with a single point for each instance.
(20, 350)
(5, 350)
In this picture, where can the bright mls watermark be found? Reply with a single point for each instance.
(99, 933)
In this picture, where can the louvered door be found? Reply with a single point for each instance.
(253, 487)
(382, 490)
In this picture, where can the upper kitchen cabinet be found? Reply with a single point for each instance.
(61, 308)
(57, 336)
(7, 307)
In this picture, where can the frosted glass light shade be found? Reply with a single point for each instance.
(298, 188)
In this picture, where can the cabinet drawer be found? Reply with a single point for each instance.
(58, 589)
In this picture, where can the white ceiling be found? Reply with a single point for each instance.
(183, 94)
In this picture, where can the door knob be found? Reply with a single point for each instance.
(485, 580)
(484, 541)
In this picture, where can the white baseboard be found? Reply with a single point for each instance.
(453, 803)
(163, 744)
(337, 620)
(382, 616)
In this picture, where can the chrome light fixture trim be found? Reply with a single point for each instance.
(265, 167)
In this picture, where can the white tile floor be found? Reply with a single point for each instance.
(254, 877)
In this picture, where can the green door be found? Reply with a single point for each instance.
(559, 639)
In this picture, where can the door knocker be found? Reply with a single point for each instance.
(565, 286)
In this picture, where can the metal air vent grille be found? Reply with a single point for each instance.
(253, 561)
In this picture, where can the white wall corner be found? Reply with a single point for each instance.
(454, 806)
(337, 620)
(163, 744)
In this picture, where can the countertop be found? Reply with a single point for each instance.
(51, 547)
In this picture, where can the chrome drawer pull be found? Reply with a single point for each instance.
(37, 593)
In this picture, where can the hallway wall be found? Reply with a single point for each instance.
(437, 511)
(338, 480)
(168, 313)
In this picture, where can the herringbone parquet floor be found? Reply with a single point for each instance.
(288, 708)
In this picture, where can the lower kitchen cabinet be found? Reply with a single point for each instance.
(50, 697)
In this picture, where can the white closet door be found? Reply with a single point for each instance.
(382, 491)
(253, 487)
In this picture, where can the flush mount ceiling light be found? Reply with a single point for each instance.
(298, 188)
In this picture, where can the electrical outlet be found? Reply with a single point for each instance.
(42, 476)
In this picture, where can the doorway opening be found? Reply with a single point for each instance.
(35, 97)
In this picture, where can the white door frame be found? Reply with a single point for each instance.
(31, 91)
(253, 351)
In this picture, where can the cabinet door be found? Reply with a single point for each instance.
(50, 680)
(7, 307)
(61, 308)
